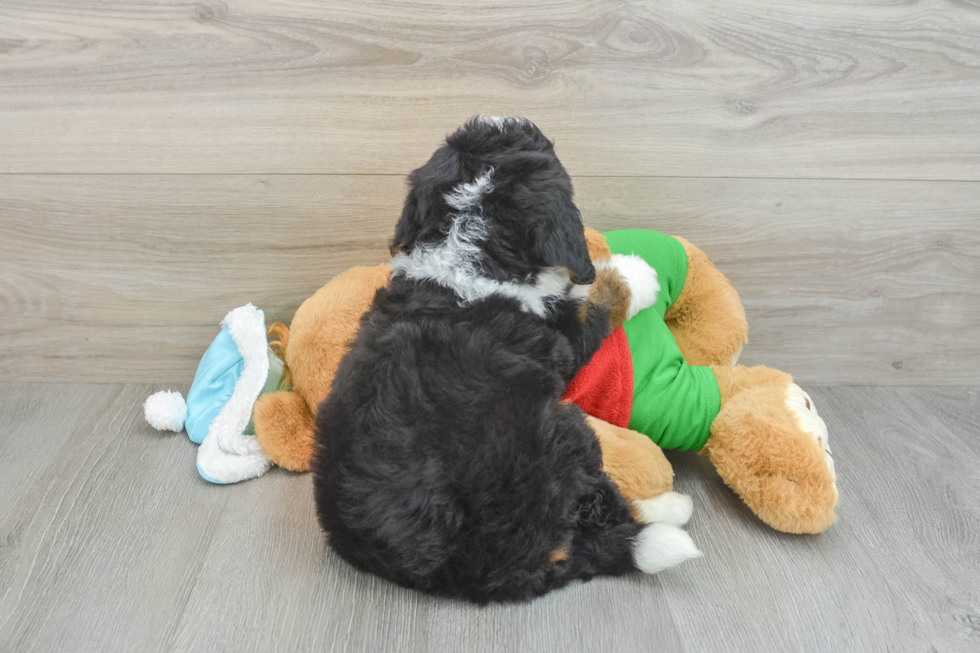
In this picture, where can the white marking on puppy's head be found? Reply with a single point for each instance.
(469, 197)
(455, 263)
(501, 121)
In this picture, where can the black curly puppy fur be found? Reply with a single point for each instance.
(446, 461)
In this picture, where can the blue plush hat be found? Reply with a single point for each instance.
(215, 380)
(214, 383)
(235, 370)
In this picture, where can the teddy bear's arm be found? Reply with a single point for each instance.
(707, 319)
(587, 321)
(285, 429)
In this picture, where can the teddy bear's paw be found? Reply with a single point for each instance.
(659, 546)
(668, 508)
(802, 406)
(641, 279)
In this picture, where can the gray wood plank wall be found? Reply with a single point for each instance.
(163, 162)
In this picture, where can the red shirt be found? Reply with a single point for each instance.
(604, 387)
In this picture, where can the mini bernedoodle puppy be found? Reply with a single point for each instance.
(446, 460)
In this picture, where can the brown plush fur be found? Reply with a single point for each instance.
(321, 331)
(286, 433)
(761, 452)
(635, 464)
(707, 319)
(598, 249)
(733, 380)
(608, 290)
(324, 326)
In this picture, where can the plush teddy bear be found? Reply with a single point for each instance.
(669, 374)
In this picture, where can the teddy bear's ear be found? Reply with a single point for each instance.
(596, 242)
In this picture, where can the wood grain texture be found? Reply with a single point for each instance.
(760, 88)
(918, 507)
(125, 278)
(112, 543)
(106, 274)
(106, 536)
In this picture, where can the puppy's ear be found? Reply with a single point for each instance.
(566, 247)
(406, 231)
(425, 214)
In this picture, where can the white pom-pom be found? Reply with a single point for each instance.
(166, 411)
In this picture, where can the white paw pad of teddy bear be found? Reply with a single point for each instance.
(802, 406)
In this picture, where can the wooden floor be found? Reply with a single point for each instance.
(109, 541)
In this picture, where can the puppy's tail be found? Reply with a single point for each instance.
(610, 542)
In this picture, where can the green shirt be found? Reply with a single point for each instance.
(673, 403)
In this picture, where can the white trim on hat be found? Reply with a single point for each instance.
(227, 455)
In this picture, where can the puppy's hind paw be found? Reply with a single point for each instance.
(669, 508)
(659, 546)
(641, 279)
